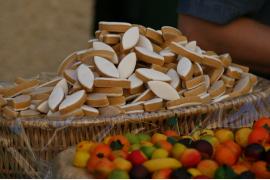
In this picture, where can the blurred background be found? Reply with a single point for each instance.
(36, 35)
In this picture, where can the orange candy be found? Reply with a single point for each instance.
(158, 137)
(103, 168)
(239, 168)
(123, 141)
(224, 155)
(207, 167)
(118, 154)
(245, 163)
(190, 158)
(261, 122)
(101, 151)
(162, 174)
(164, 145)
(259, 168)
(259, 135)
(171, 133)
(233, 146)
(92, 163)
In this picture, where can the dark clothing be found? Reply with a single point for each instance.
(224, 11)
(150, 13)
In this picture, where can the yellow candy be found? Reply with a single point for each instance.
(85, 146)
(81, 158)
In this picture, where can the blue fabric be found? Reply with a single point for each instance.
(224, 11)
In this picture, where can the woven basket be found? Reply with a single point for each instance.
(28, 145)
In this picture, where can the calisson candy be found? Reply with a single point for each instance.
(132, 69)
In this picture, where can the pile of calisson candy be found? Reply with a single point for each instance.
(221, 153)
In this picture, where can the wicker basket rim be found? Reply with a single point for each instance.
(262, 93)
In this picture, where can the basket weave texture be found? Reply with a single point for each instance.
(27, 146)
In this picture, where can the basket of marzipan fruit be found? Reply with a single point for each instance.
(129, 77)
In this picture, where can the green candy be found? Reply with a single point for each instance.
(135, 147)
(225, 172)
(144, 137)
(118, 174)
(171, 140)
(148, 151)
(132, 138)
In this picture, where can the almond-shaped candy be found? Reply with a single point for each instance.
(127, 65)
(226, 59)
(97, 100)
(21, 102)
(146, 95)
(63, 84)
(154, 36)
(212, 61)
(172, 34)
(111, 38)
(153, 105)
(75, 113)
(194, 82)
(9, 113)
(2, 101)
(234, 72)
(20, 88)
(229, 82)
(56, 98)
(217, 89)
(145, 43)
(148, 56)
(162, 69)
(253, 78)
(136, 84)
(133, 107)
(184, 101)
(43, 107)
(75, 87)
(197, 69)
(168, 55)
(184, 68)
(215, 74)
(70, 75)
(40, 92)
(117, 101)
(118, 27)
(85, 77)
(90, 111)
(130, 38)
(103, 46)
(72, 102)
(175, 82)
(112, 82)
(243, 68)
(243, 85)
(191, 46)
(105, 67)
(207, 81)
(29, 113)
(196, 91)
(109, 91)
(163, 90)
(150, 74)
(184, 52)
